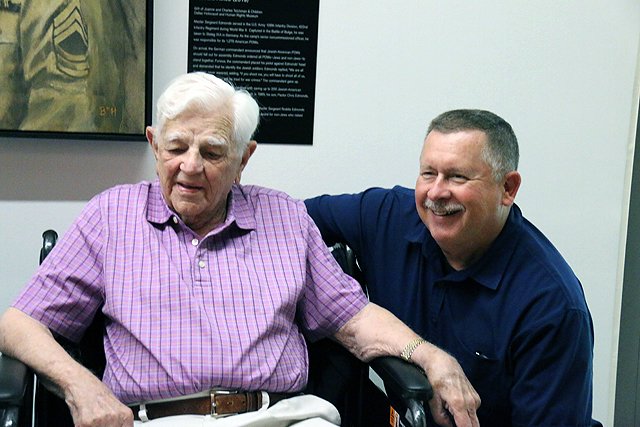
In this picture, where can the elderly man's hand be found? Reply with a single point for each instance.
(454, 398)
(375, 332)
(93, 405)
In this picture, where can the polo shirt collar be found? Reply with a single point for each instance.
(489, 269)
(157, 210)
(418, 232)
(239, 210)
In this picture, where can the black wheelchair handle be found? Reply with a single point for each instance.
(49, 239)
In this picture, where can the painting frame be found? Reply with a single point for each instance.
(76, 70)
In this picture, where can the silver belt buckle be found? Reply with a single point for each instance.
(214, 409)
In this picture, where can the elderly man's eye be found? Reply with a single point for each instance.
(175, 150)
(213, 155)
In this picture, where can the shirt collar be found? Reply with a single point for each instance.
(239, 210)
(157, 210)
(488, 271)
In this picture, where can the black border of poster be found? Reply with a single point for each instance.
(268, 48)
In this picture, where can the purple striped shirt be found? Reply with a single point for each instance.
(184, 314)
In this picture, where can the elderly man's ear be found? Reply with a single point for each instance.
(251, 147)
(248, 152)
(150, 133)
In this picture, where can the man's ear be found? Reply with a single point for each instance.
(248, 152)
(511, 184)
(150, 133)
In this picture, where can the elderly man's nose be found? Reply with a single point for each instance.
(192, 163)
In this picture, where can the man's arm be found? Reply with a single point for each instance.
(91, 403)
(375, 332)
(553, 370)
(338, 218)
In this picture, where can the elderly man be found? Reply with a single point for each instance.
(205, 285)
(456, 260)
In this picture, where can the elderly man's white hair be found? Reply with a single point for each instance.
(202, 92)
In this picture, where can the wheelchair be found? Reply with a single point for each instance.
(397, 396)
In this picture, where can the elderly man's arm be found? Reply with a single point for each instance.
(375, 332)
(90, 401)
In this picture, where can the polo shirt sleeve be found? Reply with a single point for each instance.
(330, 296)
(552, 371)
(353, 219)
(64, 293)
(338, 217)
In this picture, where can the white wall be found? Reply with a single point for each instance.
(561, 72)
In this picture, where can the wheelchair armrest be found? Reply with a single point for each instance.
(406, 386)
(402, 379)
(13, 381)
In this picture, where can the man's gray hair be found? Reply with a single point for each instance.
(501, 152)
(202, 92)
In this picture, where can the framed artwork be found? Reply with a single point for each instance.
(76, 69)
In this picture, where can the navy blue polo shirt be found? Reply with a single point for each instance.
(516, 320)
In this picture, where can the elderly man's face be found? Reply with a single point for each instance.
(197, 163)
(458, 199)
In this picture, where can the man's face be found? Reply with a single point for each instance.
(457, 198)
(197, 163)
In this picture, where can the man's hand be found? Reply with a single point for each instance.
(90, 401)
(93, 405)
(454, 398)
(375, 332)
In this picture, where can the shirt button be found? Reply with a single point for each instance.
(175, 219)
(202, 264)
(194, 242)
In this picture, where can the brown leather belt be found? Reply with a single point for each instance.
(217, 403)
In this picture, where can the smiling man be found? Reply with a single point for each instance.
(456, 260)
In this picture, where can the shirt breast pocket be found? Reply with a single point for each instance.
(490, 377)
(9, 57)
(13, 102)
(8, 27)
(486, 369)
